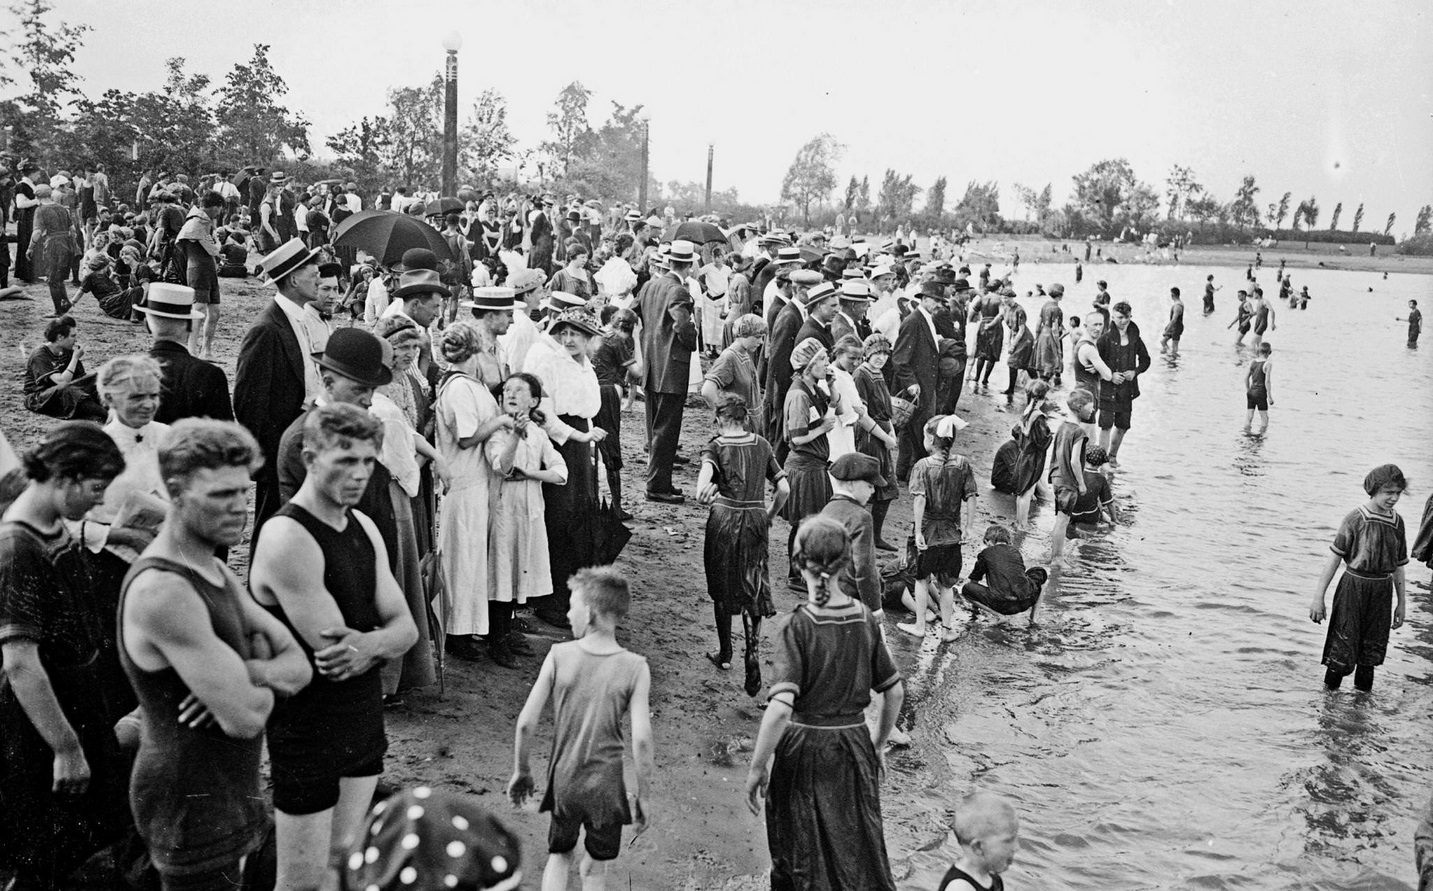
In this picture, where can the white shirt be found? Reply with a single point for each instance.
(397, 202)
(227, 190)
(569, 387)
(376, 302)
(306, 334)
(514, 345)
(353, 202)
(140, 447)
(318, 328)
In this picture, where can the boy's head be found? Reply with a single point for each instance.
(856, 476)
(988, 830)
(1265, 349)
(1413, 304)
(600, 597)
(997, 534)
(1096, 457)
(1081, 403)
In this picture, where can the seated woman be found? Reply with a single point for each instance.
(233, 256)
(55, 382)
(117, 302)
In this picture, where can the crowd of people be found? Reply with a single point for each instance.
(449, 422)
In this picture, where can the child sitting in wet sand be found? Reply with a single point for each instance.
(940, 484)
(1097, 496)
(1011, 588)
(988, 832)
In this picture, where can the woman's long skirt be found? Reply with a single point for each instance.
(416, 668)
(1359, 621)
(566, 509)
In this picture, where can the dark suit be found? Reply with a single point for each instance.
(840, 327)
(190, 387)
(761, 275)
(813, 328)
(916, 362)
(778, 375)
(860, 580)
(268, 395)
(668, 338)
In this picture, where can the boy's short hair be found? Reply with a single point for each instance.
(1079, 398)
(997, 533)
(1265, 348)
(1413, 303)
(981, 815)
(331, 425)
(57, 328)
(606, 590)
(1382, 476)
(204, 444)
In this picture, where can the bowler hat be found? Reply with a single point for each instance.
(358, 355)
(419, 258)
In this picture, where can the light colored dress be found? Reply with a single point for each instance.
(846, 399)
(518, 564)
(463, 406)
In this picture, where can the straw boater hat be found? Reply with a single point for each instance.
(494, 300)
(682, 251)
(278, 178)
(818, 293)
(856, 290)
(882, 268)
(357, 355)
(788, 254)
(561, 301)
(170, 302)
(286, 258)
(853, 272)
(632, 216)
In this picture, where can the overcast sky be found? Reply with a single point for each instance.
(1330, 99)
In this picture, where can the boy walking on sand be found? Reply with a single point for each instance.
(594, 682)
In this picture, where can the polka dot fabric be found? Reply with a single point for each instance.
(426, 840)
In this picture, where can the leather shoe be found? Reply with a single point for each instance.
(681, 459)
(464, 648)
(502, 655)
(518, 644)
(667, 497)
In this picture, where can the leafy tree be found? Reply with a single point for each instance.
(979, 206)
(853, 189)
(935, 202)
(1389, 228)
(1358, 217)
(571, 133)
(897, 196)
(485, 140)
(863, 198)
(45, 55)
(1333, 220)
(1283, 211)
(617, 149)
(1108, 196)
(415, 121)
(1028, 197)
(253, 127)
(812, 175)
(1273, 211)
(362, 147)
(1203, 207)
(1424, 224)
(1180, 187)
(1309, 211)
(1244, 211)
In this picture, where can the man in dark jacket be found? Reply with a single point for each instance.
(668, 338)
(916, 359)
(777, 380)
(189, 386)
(1124, 352)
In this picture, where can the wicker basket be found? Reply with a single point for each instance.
(903, 408)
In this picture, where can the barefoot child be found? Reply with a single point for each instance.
(1011, 588)
(1067, 463)
(1414, 320)
(736, 466)
(1372, 544)
(940, 483)
(988, 832)
(593, 682)
(1259, 389)
(1097, 497)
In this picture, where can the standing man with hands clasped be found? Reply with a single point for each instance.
(323, 571)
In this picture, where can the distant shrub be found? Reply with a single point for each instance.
(1332, 236)
(1417, 246)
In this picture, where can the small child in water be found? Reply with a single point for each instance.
(593, 681)
(988, 832)
(1097, 497)
(1373, 546)
(1259, 389)
(940, 485)
(1011, 588)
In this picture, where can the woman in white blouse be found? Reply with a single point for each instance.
(135, 502)
(571, 399)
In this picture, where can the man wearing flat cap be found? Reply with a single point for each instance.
(276, 375)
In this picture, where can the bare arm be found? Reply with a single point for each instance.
(890, 709)
(521, 785)
(773, 726)
(642, 748)
(1316, 609)
(31, 685)
(918, 508)
(783, 492)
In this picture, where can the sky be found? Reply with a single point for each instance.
(1326, 99)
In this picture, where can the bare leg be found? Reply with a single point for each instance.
(554, 875)
(922, 604)
(1022, 508)
(1263, 421)
(594, 874)
(1057, 535)
(303, 846)
(196, 330)
(947, 612)
(1248, 420)
(211, 326)
(1114, 447)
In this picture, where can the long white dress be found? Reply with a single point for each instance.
(518, 563)
(463, 406)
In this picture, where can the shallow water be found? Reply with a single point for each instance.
(1164, 725)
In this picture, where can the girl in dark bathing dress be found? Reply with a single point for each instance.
(736, 465)
(1372, 544)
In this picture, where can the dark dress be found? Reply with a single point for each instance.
(877, 397)
(736, 553)
(1033, 440)
(1009, 588)
(611, 363)
(331, 729)
(806, 463)
(178, 765)
(823, 814)
(115, 301)
(1372, 546)
(990, 338)
(43, 600)
(946, 483)
(1002, 467)
(953, 874)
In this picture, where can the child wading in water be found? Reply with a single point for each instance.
(940, 483)
(1259, 389)
(593, 682)
(988, 832)
(1372, 545)
(1010, 588)
(736, 466)
(1067, 463)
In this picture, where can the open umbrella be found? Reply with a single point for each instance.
(698, 232)
(440, 206)
(386, 235)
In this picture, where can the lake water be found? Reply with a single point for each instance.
(1165, 724)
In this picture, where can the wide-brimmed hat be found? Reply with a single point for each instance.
(419, 281)
(287, 257)
(772, 238)
(494, 299)
(524, 280)
(358, 355)
(882, 268)
(562, 301)
(580, 319)
(933, 289)
(961, 284)
(170, 302)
